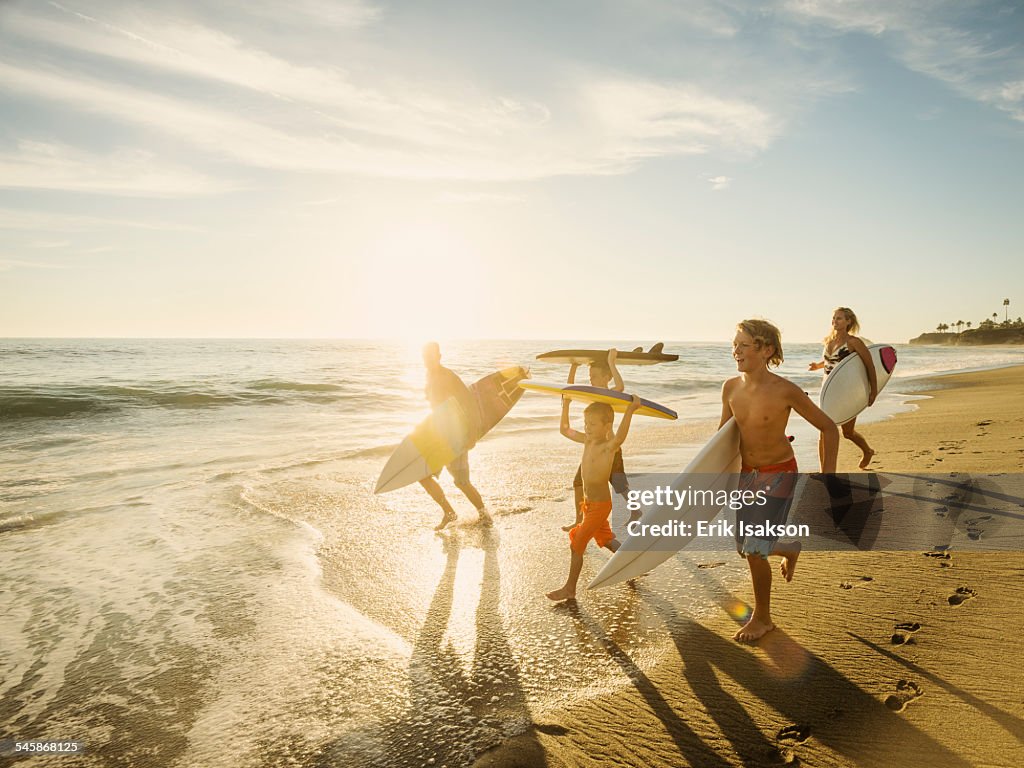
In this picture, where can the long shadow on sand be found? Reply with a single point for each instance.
(1013, 724)
(692, 748)
(803, 688)
(454, 715)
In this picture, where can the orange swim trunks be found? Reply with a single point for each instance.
(594, 526)
(780, 478)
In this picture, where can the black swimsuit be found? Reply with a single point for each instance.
(831, 360)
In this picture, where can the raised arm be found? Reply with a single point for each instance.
(617, 384)
(627, 417)
(817, 418)
(869, 365)
(572, 373)
(563, 425)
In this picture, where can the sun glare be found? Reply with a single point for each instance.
(422, 282)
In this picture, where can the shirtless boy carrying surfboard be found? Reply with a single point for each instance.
(600, 446)
(761, 402)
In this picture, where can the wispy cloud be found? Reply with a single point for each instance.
(39, 165)
(643, 119)
(9, 264)
(959, 42)
(719, 182)
(45, 221)
(716, 18)
(318, 118)
(459, 198)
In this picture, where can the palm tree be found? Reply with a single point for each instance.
(1006, 303)
(959, 325)
(968, 325)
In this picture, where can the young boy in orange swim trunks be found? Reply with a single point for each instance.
(600, 446)
(761, 401)
(604, 374)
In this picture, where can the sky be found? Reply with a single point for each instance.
(585, 169)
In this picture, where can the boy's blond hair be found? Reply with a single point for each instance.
(602, 410)
(765, 335)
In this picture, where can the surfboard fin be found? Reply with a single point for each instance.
(656, 349)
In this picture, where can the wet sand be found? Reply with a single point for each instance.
(879, 658)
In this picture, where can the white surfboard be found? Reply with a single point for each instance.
(844, 393)
(717, 465)
(446, 433)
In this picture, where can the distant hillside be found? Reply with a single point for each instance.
(973, 337)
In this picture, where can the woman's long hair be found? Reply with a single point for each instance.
(852, 325)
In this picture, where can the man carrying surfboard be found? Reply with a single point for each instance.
(600, 446)
(761, 402)
(442, 384)
(602, 374)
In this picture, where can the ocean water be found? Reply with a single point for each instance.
(194, 569)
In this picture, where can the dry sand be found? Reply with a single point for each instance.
(879, 659)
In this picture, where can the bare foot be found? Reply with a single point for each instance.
(868, 455)
(485, 518)
(561, 594)
(449, 517)
(789, 561)
(753, 630)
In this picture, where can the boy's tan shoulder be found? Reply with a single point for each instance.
(730, 384)
(787, 387)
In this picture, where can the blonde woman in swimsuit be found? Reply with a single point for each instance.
(838, 344)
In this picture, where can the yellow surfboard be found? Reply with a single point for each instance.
(617, 400)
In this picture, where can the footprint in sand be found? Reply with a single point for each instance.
(906, 692)
(962, 595)
(793, 734)
(514, 511)
(710, 565)
(974, 529)
(848, 585)
(940, 555)
(901, 634)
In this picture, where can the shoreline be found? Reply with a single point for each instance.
(831, 685)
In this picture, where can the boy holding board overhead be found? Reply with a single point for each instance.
(600, 447)
(603, 374)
